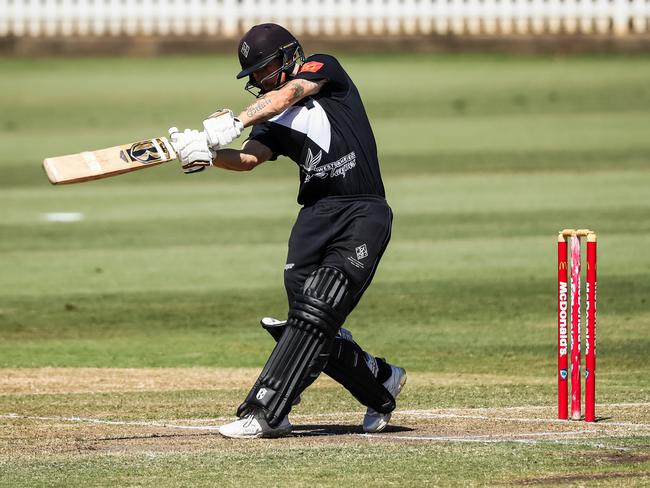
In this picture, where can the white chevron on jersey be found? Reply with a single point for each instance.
(312, 122)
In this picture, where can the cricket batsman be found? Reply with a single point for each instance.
(309, 110)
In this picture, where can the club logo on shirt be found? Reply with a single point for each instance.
(311, 67)
(362, 251)
(337, 168)
(311, 165)
(245, 49)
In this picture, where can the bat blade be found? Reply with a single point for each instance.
(94, 165)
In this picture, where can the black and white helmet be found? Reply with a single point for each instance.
(262, 44)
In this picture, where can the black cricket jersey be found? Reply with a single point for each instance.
(328, 135)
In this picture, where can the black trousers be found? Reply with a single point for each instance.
(349, 233)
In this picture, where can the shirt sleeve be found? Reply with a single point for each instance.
(319, 67)
(262, 134)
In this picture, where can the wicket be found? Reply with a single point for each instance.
(572, 316)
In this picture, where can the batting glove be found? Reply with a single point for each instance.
(192, 149)
(221, 128)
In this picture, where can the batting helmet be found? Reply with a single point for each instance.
(261, 45)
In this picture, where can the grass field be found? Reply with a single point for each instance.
(127, 337)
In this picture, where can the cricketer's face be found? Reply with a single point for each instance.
(265, 76)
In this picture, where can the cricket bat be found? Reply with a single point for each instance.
(93, 165)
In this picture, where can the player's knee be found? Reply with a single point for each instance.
(323, 301)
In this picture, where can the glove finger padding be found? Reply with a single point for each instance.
(221, 128)
(191, 148)
(195, 152)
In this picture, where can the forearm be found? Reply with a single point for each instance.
(277, 101)
(264, 108)
(234, 160)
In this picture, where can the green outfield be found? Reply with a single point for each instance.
(128, 335)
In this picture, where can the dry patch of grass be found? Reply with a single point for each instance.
(81, 411)
(102, 380)
(33, 436)
(93, 423)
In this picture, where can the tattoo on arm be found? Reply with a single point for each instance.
(257, 107)
(297, 91)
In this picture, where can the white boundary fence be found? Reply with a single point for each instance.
(229, 18)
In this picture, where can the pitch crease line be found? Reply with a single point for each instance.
(470, 439)
(423, 414)
(450, 439)
(429, 414)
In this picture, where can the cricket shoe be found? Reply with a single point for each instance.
(374, 421)
(254, 426)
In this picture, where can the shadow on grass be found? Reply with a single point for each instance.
(149, 436)
(305, 430)
(313, 430)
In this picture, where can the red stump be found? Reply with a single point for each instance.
(562, 329)
(590, 351)
(576, 377)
